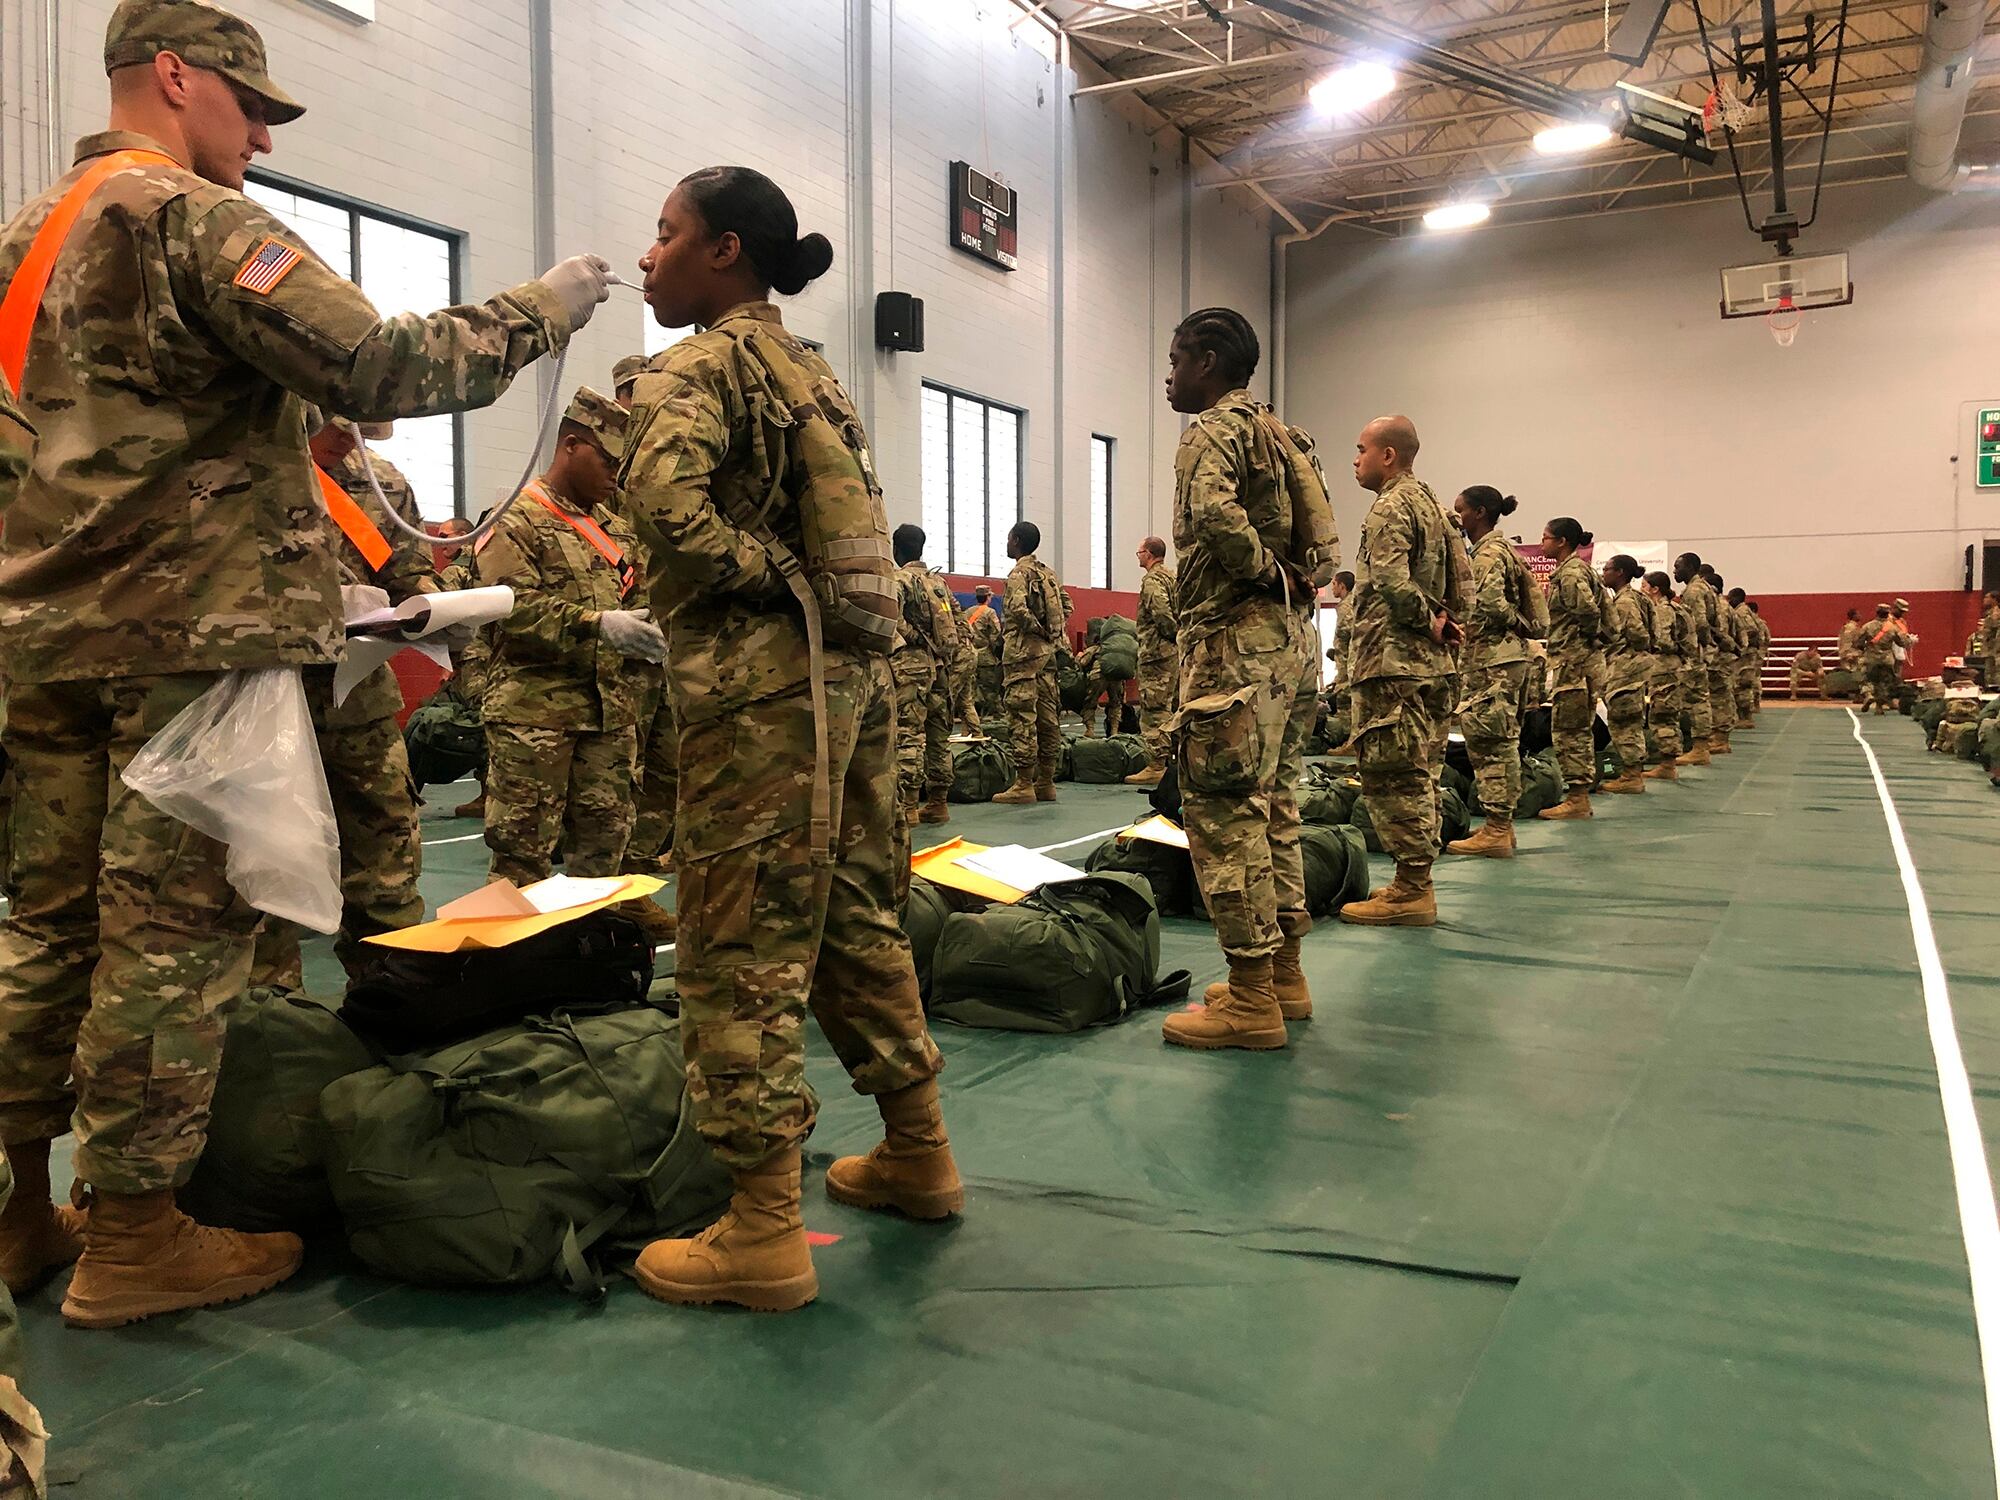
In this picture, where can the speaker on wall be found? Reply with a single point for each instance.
(899, 322)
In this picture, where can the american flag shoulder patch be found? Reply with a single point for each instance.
(271, 264)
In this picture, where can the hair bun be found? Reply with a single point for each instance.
(1507, 504)
(810, 258)
(1587, 538)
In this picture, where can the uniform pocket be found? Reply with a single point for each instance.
(1220, 746)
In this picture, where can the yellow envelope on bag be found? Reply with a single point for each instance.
(941, 865)
(501, 914)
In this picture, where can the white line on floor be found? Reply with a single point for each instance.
(1102, 833)
(1978, 1220)
(463, 838)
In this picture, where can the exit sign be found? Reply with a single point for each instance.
(1988, 448)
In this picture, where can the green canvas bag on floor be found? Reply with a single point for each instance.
(1104, 762)
(979, 770)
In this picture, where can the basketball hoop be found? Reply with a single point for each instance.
(1784, 321)
(1722, 113)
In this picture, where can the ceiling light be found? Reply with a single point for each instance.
(1572, 136)
(1458, 215)
(1353, 87)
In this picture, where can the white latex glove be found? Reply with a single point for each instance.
(631, 632)
(579, 283)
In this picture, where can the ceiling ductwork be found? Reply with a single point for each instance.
(1944, 86)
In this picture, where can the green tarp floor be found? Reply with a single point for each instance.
(1627, 1180)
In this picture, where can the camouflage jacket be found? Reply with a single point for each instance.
(1158, 626)
(1405, 573)
(698, 471)
(929, 630)
(1507, 609)
(1704, 608)
(1984, 643)
(1034, 613)
(408, 572)
(171, 522)
(1747, 639)
(1673, 637)
(1576, 611)
(1629, 657)
(17, 445)
(983, 624)
(1879, 639)
(551, 666)
(1232, 520)
(1763, 633)
(1850, 644)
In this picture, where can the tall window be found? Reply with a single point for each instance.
(972, 480)
(1100, 511)
(403, 265)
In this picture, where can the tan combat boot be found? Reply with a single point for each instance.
(1045, 787)
(476, 808)
(1245, 1016)
(1698, 756)
(1627, 783)
(1407, 901)
(911, 1170)
(1494, 839)
(1664, 771)
(1718, 743)
(1575, 805)
(935, 811)
(755, 1255)
(142, 1257)
(1288, 984)
(661, 926)
(37, 1237)
(1151, 776)
(1020, 792)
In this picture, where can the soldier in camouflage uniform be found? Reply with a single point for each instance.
(467, 682)
(1699, 600)
(1762, 646)
(360, 744)
(1243, 624)
(1673, 638)
(1159, 659)
(1749, 656)
(1035, 610)
(1629, 662)
(1982, 647)
(170, 532)
(1507, 612)
(1721, 665)
(964, 669)
(1578, 609)
(927, 648)
(1413, 587)
(1881, 674)
(983, 624)
(780, 911)
(562, 704)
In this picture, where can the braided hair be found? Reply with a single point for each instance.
(1227, 334)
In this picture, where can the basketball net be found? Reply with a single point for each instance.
(1721, 113)
(1784, 321)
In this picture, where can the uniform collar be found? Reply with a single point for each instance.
(107, 141)
(763, 312)
(541, 487)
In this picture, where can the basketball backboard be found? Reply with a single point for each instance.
(1802, 281)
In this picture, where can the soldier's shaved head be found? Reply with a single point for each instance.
(1397, 432)
(1385, 451)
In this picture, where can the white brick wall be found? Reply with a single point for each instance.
(428, 112)
(1583, 367)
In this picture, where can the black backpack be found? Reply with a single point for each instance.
(1168, 872)
(411, 1002)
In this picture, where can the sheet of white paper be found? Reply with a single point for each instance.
(365, 653)
(561, 892)
(1020, 867)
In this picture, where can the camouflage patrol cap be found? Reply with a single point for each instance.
(1903, 605)
(628, 369)
(602, 417)
(203, 36)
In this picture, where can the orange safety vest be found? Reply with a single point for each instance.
(23, 303)
(592, 533)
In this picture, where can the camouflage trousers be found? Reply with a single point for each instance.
(1034, 724)
(24, 1441)
(1489, 716)
(1577, 682)
(1722, 695)
(6, 825)
(766, 935)
(548, 785)
(657, 790)
(1159, 696)
(1694, 698)
(964, 708)
(1399, 736)
(1248, 700)
(1663, 712)
(124, 945)
(989, 690)
(381, 841)
(1746, 689)
(1879, 681)
(1625, 713)
(923, 734)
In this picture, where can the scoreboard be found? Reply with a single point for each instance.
(1988, 448)
(983, 219)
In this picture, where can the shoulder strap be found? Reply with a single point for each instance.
(353, 520)
(31, 280)
(592, 533)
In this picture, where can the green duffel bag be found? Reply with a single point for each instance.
(1073, 689)
(924, 911)
(980, 770)
(1989, 742)
(1454, 818)
(1336, 861)
(503, 1160)
(1840, 683)
(1072, 954)
(1466, 787)
(1929, 713)
(264, 1167)
(445, 739)
(1102, 762)
(1168, 872)
(1542, 785)
(1328, 798)
(1118, 656)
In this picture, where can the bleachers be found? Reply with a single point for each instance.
(1777, 673)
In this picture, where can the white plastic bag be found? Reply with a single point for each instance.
(241, 764)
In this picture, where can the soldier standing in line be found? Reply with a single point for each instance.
(983, 622)
(1035, 611)
(1982, 647)
(1749, 653)
(131, 584)
(964, 672)
(1507, 612)
(1698, 601)
(1721, 664)
(1577, 607)
(787, 877)
(1763, 649)
(1413, 586)
(926, 647)
(561, 707)
(1673, 637)
(1880, 675)
(360, 745)
(1159, 659)
(1849, 646)
(1248, 693)
(1629, 663)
